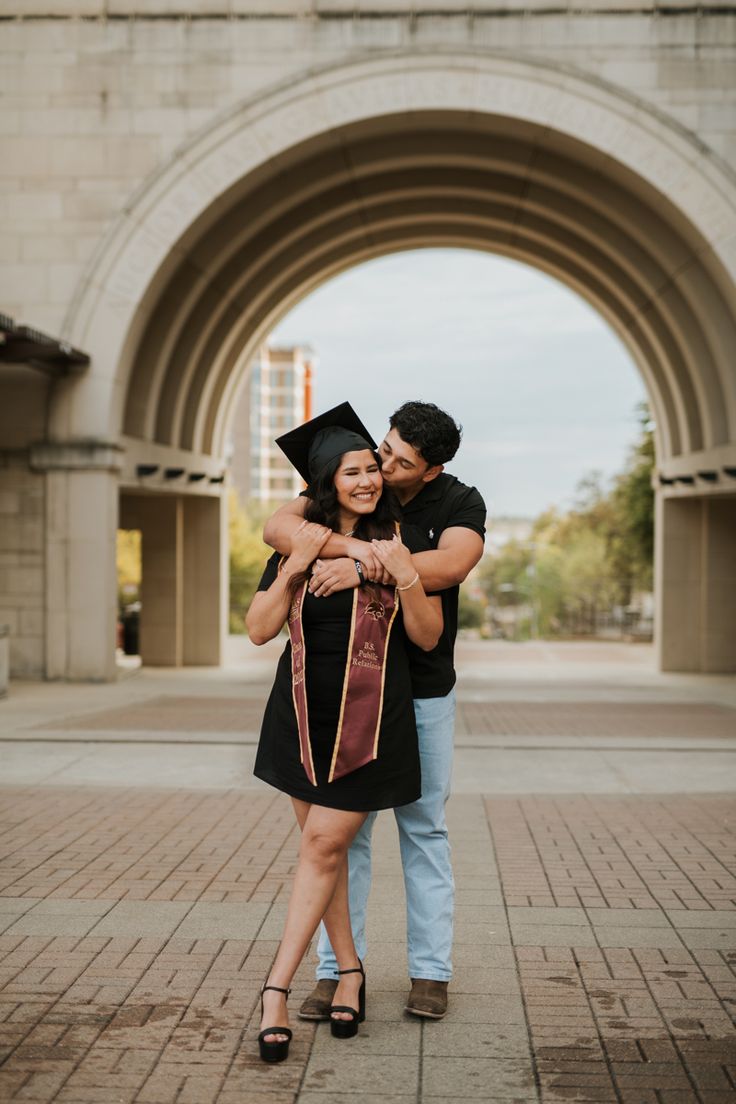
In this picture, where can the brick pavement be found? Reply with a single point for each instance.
(595, 952)
(138, 926)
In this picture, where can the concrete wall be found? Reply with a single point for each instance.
(90, 108)
(22, 508)
(95, 100)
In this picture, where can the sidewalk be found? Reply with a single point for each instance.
(145, 873)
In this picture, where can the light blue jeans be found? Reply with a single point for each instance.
(425, 856)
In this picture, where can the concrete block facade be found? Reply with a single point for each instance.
(90, 108)
(171, 177)
(22, 564)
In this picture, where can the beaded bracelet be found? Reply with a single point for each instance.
(411, 584)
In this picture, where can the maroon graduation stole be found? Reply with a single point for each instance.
(356, 740)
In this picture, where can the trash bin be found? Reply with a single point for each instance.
(131, 626)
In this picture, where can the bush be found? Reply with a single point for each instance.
(248, 555)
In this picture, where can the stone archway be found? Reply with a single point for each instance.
(533, 162)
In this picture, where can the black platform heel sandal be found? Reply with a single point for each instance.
(277, 1050)
(346, 1029)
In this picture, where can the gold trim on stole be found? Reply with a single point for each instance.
(383, 674)
(303, 645)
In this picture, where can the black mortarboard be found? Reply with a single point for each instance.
(311, 446)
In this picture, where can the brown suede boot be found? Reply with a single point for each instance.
(317, 1005)
(427, 998)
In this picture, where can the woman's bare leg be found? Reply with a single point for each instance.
(337, 922)
(326, 837)
(340, 933)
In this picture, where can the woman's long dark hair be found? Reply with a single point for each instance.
(324, 509)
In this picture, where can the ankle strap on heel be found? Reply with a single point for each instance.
(275, 989)
(355, 970)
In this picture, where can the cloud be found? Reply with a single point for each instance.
(542, 386)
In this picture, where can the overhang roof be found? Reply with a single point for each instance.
(24, 345)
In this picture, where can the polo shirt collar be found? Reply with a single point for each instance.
(430, 492)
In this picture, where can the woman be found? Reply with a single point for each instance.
(338, 733)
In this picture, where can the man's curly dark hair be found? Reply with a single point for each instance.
(429, 430)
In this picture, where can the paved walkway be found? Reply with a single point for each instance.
(144, 877)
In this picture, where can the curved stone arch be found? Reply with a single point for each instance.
(644, 351)
(152, 238)
(287, 240)
(585, 286)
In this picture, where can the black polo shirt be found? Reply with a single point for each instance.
(445, 503)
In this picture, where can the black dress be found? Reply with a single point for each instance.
(390, 780)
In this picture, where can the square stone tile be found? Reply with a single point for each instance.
(483, 898)
(480, 914)
(13, 907)
(542, 935)
(497, 956)
(487, 1079)
(480, 978)
(16, 906)
(354, 1073)
(273, 926)
(447, 1037)
(355, 1098)
(223, 920)
(700, 939)
(701, 918)
(59, 916)
(388, 1008)
(636, 937)
(483, 934)
(143, 918)
(628, 918)
(520, 916)
(375, 1037)
(481, 1008)
(467, 955)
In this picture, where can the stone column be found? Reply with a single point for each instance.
(695, 573)
(80, 573)
(161, 630)
(719, 591)
(205, 580)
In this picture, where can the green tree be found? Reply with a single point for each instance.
(632, 548)
(589, 585)
(248, 555)
(128, 566)
(582, 563)
(470, 611)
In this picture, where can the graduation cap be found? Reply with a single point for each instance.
(310, 447)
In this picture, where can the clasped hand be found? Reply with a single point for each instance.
(396, 558)
(307, 542)
(331, 576)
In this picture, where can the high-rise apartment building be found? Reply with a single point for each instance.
(276, 397)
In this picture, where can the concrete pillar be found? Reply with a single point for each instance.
(161, 520)
(22, 558)
(695, 572)
(205, 579)
(719, 591)
(4, 659)
(80, 577)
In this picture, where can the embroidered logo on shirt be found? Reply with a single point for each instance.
(431, 534)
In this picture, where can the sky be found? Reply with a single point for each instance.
(543, 388)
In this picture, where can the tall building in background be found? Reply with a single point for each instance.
(276, 397)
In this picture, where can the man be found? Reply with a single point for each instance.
(420, 440)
